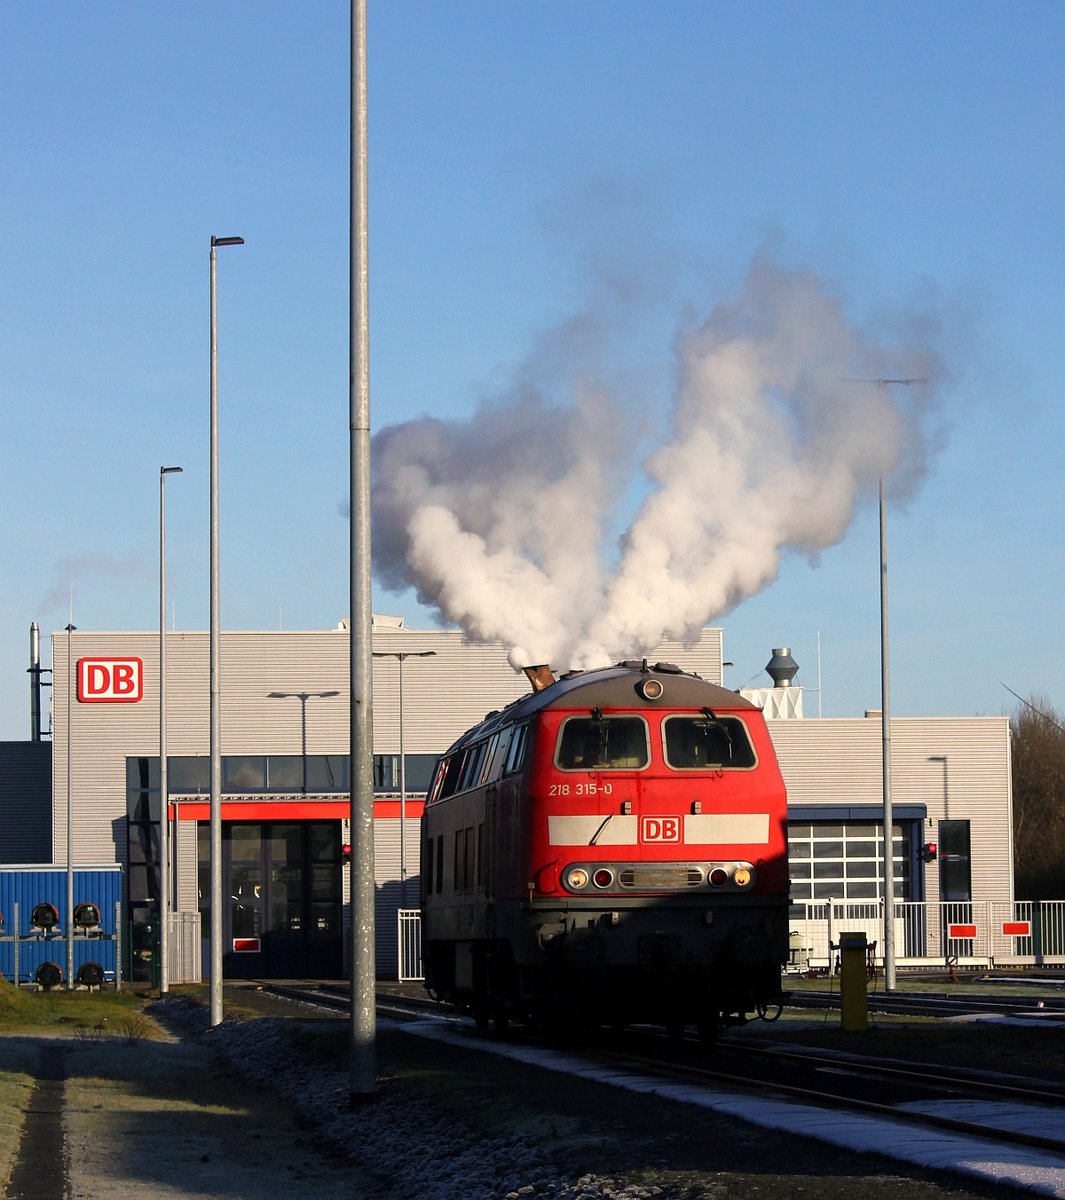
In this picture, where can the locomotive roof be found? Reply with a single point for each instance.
(613, 687)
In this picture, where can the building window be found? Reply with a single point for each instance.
(284, 773)
(188, 773)
(327, 772)
(844, 862)
(419, 772)
(244, 773)
(955, 862)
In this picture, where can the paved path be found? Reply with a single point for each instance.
(162, 1121)
(39, 1172)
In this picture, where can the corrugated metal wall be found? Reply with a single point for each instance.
(959, 768)
(26, 887)
(442, 697)
(387, 881)
(25, 802)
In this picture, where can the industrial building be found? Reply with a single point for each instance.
(285, 783)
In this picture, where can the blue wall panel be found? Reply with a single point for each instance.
(27, 887)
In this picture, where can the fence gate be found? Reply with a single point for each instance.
(410, 945)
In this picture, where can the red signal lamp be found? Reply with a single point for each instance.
(345, 853)
(929, 852)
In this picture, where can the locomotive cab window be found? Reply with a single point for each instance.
(696, 742)
(446, 780)
(516, 750)
(599, 743)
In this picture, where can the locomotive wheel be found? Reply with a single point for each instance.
(771, 1012)
(708, 1029)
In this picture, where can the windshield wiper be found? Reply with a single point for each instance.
(716, 721)
(606, 821)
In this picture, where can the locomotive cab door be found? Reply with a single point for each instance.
(489, 851)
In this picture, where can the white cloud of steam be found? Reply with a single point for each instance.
(500, 522)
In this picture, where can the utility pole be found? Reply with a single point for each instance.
(363, 1016)
(885, 725)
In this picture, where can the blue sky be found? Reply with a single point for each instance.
(529, 162)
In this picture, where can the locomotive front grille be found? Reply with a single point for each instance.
(661, 877)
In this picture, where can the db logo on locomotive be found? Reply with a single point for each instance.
(110, 680)
(660, 829)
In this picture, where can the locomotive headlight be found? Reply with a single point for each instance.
(743, 877)
(576, 879)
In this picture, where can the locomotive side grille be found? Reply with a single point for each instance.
(661, 876)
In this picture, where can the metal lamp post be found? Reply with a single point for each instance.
(70, 816)
(215, 655)
(885, 736)
(164, 794)
(885, 721)
(362, 1042)
(401, 656)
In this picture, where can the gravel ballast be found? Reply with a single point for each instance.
(448, 1124)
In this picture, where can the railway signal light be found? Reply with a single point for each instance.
(929, 852)
(345, 854)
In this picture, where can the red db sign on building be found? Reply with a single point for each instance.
(110, 680)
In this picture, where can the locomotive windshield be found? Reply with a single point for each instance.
(598, 743)
(696, 742)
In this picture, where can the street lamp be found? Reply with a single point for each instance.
(164, 792)
(885, 739)
(362, 1041)
(215, 655)
(885, 720)
(402, 655)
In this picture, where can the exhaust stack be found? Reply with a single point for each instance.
(782, 668)
(35, 682)
(540, 676)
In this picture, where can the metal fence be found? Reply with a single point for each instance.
(183, 949)
(984, 933)
(410, 945)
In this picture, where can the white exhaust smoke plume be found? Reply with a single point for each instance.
(781, 423)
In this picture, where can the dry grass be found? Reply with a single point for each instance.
(64, 1013)
(16, 1084)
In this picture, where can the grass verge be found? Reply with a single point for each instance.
(84, 1015)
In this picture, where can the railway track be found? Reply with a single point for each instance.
(1011, 1111)
(907, 1092)
(1048, 1008)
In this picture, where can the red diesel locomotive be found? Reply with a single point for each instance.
(609, 849)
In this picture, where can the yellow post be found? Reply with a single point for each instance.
(854, 1004)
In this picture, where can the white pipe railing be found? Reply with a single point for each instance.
(983, 933)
